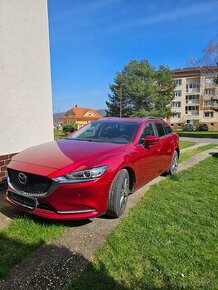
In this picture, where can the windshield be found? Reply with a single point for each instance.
(112, 132)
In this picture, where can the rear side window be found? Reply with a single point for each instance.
(160, 129)
(168, 129)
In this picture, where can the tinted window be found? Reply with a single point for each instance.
(168, 129)
(112, 132)
(160, 129)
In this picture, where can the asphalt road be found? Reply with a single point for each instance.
(200, 140)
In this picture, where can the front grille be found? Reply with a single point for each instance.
(27, 202)
(35, 184)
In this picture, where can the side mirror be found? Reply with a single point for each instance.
(150, 140)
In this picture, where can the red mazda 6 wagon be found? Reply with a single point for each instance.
(92, 171)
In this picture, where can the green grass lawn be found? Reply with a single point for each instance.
(168, 241)
(59, 134)
(25, 234)
(186, 144)
(22, 237)
(185, 155)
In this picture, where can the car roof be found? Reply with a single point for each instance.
(130, 119)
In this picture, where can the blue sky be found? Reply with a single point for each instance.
(91, 40)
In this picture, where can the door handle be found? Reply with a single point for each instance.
(158, 148)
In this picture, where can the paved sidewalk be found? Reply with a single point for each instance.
(194, 147)
(4, 219)
(200, 140)
(54, 265)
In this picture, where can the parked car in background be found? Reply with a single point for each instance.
(202, 127)
(92, 171)
(188, 127)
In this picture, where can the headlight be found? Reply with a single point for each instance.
(83, 175)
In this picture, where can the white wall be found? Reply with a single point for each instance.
(25, 82)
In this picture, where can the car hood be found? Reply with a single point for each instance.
(62, 153)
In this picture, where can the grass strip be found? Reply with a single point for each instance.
(168, 241)
(59, 134)
(23, 236)
(185, 155)
(186, 144)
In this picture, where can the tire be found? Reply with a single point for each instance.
(174, 163)
(118, 194)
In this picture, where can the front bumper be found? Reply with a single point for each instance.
(65, 201)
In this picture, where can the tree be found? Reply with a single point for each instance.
(208, 62)
(141, 90)
(208, 66)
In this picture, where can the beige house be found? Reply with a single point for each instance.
(195, 97)
(25, 83)
(80, 116)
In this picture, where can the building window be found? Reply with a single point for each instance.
(192, 98)
(176, 104)
(208, 115)
(178, 82)
(210, 91)
(193, 87)
(177, 93)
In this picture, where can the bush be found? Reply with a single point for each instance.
(69, 128)
(200, 134)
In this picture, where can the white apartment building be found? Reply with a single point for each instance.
(195, 97)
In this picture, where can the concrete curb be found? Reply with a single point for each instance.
(56, 264)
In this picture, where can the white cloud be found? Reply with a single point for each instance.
(177, 14)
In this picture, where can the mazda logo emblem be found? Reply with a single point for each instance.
(22, 178)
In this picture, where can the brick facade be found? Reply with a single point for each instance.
(4, 161)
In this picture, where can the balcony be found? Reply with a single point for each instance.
(192, 102)
(192, 112)
(193, 90)
(214, 98)
(191, 117)
(207, 97)
(214, 107)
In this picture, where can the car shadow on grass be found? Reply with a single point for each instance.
(214, 154)
(48, 267)
(53, 267)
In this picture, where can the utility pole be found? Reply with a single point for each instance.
(121, 98)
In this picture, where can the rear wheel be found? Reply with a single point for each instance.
(118, 194)
(174, 163)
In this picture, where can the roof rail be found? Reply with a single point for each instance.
(153, 117)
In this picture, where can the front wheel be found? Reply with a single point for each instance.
(118, 194)
(174, 163)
